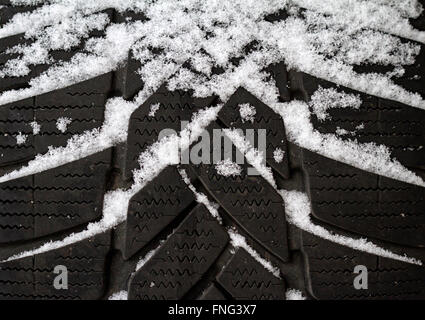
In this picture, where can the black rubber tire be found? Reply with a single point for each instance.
(195, 258)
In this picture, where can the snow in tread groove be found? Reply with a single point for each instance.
(298, 207)
(237, 240)
(201, 197)
(297, 40)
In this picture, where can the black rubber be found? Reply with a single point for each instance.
(194, 256)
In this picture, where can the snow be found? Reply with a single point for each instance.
(114, 212)
(228, 168)
(366, 156)
(325, 99)
(166, 151)
(278, 155)
(21, 138)
(341, 132)
(252, 155)
(154, 108)
(312, 42)
(360, 126)
(35, 127)
(113, 131)
(62, 36)
(247, 112)
(387, 15)
(120, 295)
(298, 212)
(146, 258)
(62, 124)
(201, 197)
(239, 241)
(115, 204)
(293, 294)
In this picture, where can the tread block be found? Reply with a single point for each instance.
(182, 260)
(33, 277)
(53, 200)
(83, 104)
(246, 279)
(154, 207)
(331, 270)
(174, 108)
(249, 199)
(264, 119)
(400, 127)
(365, 203)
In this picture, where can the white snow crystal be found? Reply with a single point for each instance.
(278, 155)
(247, 112)
(35, 127)
(62, 124)
(341, 132)
(228, 168)
(154, 108)
(21, 138)
(360, 126)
